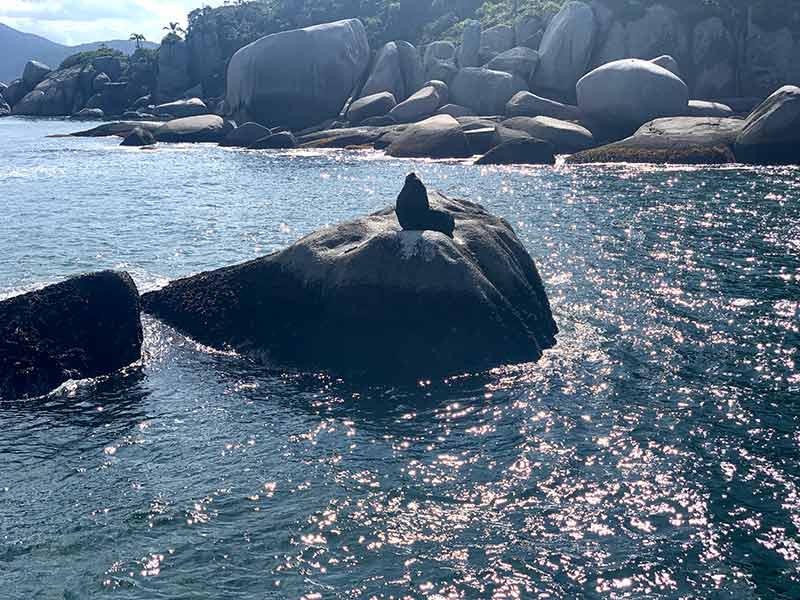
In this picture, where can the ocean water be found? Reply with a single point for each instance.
(652, 454)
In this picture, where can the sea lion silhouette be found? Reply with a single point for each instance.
(414, 212)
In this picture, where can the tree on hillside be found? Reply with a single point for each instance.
(138, 38)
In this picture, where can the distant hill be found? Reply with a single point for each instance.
(17, 48)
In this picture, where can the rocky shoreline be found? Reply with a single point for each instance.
(580, 83)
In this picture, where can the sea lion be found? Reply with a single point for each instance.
(414, 212)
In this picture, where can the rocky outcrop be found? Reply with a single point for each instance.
(419, 106)
(365, 296)
(397, 70)
(525, 104)
(629, 93)
(245, 135)
(483, 90)
(34, 73)
(565, 137)
(83, 327)
(205, 128)
(566, 49)
(376, 105)
(440, 136)
(298, 78)
(770, 61)
(680, 140)
(15, 92)
(771, 134)
(192, 107)
(714, 55)
(139, 137)
(520, 61)
(173, 70)
(62, 92)
(521, 151)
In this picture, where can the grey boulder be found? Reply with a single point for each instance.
(469, 52)
(520, 61)
(455, 111)
(59, 94)
(397, 70)
(84, 327)
(495, 40)
(298, 78)
(629, 93)
(34, 73)
(245, 135)
(483, 90)
(439, 136)
(282, 140)
(564, 136)
(376, 105)
(419, 106)
(701, 108)
(204, 128)
(566, 49)
(139, 137)
(365, 297)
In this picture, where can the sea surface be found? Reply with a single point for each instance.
(654, 453)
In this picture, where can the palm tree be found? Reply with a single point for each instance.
(175, 28)
(138, 38)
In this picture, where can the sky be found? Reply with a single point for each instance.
(74, 22)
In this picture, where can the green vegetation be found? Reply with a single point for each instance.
(84, 58)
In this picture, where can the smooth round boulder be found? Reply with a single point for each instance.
(631, 92)
(34, 73)
(521, 151)
(376, 105)
(419, 106)
(205, 128)
(245, 135)
(84, 327)
(365, 297)
(139, 137)
(439, 136)
(298, 78)
(564, 136)
(483, 90)
(526, 104)
(771, 134)
(565, 49)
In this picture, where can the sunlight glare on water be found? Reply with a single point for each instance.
(652, 453)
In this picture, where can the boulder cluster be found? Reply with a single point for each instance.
(585, 82)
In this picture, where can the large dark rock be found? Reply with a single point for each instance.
(414, 212)
(420, 105)
(771, 134)
(397, 70)
(485, 91)
(437, 137)
(139, 137)
(522, 151)
(15, 92)
(297, 78)
(173, 69)
(83, 327)
(375, 105)
(61, 93)
(566, 137)
(520, 61)
(281, 140)
(245, 135)
(364, 296)
(677, 140)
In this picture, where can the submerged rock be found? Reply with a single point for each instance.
(677, 140)
(84, 327)
(365, 296)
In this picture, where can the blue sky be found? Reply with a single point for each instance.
(78, 21)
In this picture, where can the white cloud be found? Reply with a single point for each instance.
(79, 21)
